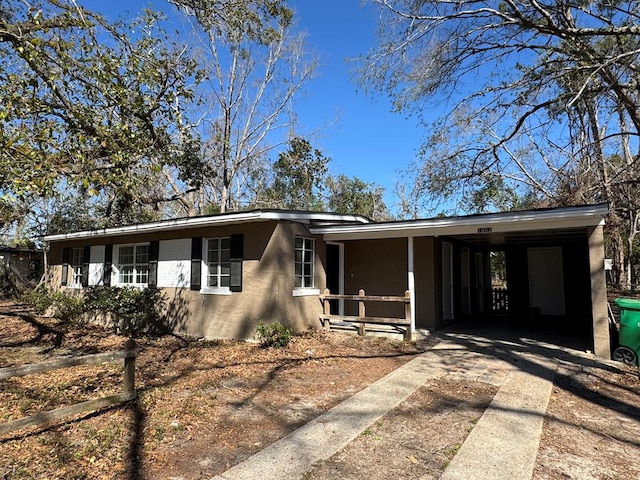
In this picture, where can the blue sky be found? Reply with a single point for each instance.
(358, 132)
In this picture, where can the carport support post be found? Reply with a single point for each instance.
(411, 283)
(599, 311)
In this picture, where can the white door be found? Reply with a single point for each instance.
(546, 281)
(447, 281)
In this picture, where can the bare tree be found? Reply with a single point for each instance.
(540, 100)
(254, 67)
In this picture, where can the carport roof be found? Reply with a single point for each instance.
(491, 228)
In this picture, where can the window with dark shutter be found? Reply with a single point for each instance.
(154, 248)
(196, 263)
(236, 247)
(108, 262)
(86, 258)
(65, 265)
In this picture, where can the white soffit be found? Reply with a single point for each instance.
(210, 221)
(530, 220)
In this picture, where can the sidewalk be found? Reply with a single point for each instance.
(503, 444)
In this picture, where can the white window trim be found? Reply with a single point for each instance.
(204, 278)
(305, 291)
(312, 289)
(115, 276)
(73, 284)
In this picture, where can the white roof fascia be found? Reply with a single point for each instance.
(191, 222)
(570, 217)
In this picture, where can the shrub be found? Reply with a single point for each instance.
(62, 306)
(137, 311)
(273, 335)
(8, 287)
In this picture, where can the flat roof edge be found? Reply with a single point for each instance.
(206, 221)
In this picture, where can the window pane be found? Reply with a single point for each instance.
(213, 281)
(224, 281)
(299, 242)
(225, 243)
(307, 270)
(125, 255)
(142, 275)
(308, 243)
(213, 244)
(298, 269)
(298, 281)
(76, 256)
(225, 256)
(308, 256)
(142, 254)
(225, 269)
(126, 274)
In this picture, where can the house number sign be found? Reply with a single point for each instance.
(485, 229)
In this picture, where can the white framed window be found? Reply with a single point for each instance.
(132, 265)
(77, 255)
(217, 263)
(304, 262)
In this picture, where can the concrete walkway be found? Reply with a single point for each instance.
(503, 444)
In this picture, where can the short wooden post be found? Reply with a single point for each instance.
(408, 333)
(130, 367)
(326, 310)
(361, 312)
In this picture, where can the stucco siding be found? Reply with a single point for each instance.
(267, 280)
(379, 267)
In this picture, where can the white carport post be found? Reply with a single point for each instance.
(411, 282)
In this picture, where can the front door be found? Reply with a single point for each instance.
(546, 280)
(334, 275)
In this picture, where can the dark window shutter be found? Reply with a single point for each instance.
(236, 253)
(86, 258)
(108, 262)
(65, 265)
(196, 263)
(154, 248)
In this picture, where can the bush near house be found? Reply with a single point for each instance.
(131, 311)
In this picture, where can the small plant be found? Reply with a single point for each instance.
(61, 306)
(273, 335)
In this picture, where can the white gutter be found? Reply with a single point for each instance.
(569, 217)
(216, 220)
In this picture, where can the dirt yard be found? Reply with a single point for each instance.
(205, 406)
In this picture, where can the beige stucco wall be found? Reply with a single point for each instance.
(380, 268)
(268, 282)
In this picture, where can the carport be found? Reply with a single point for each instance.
(552, 268)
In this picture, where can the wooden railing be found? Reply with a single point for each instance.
(499, 300)
(362, 319)
(128, 393)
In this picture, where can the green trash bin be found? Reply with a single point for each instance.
(629, 336)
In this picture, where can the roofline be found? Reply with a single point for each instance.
(555, 218)
(211, 220)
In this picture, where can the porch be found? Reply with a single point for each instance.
(552, 271)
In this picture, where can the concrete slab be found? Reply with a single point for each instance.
(292, 456)
(504, 443)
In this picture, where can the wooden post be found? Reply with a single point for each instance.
(361, 312)
(130, 368)
(326, 310)
(408, 333)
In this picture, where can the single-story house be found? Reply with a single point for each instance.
(222, 274)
